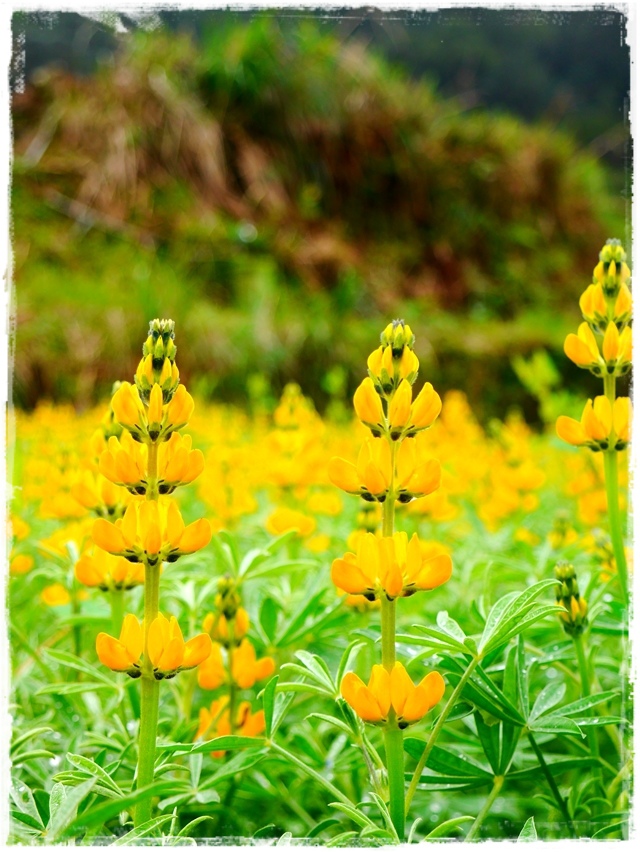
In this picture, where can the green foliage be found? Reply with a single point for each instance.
(275, 185)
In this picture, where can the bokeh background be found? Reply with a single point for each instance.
(282, 184)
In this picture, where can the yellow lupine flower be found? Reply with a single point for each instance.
(124, 462)
(217, 626)
(122, 654)
(55, 595)
(152, 531)
(595, 427)
(168, 652)
(21, 563)
(594, 305)
(215, 722)
(158, 420)
(212, 672)
(283, 520)
(370, 477)
(368, 406)
(97, 493)
(616, 350)
(246, 669)
(394, 689)
(107, 572)
(393, 566)
(417, 473)
(19, 528)
(582, 349)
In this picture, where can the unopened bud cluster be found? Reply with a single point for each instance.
(157, 366)
(574, 618)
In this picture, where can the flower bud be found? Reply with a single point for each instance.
(158, 361)
(574, 618)
(612, 270)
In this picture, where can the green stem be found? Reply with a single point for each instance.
(395, 772)
(498, 781)
(393, 736)
(116, 597)
(585, 680)
(150, 697)
(388, 629)
(413, 786)
(389, 505)
(615, 520)
(152, 471)
(562, 805)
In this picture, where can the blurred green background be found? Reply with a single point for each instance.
(282, 184)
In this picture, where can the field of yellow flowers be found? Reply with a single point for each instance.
(394, 627)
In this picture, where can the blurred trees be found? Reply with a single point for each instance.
(280, 194)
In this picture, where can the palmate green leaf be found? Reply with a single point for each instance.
(522, 674)
(268, 701)
(35, 754)
(584, 704)
(332, 720)
(24, 801)
(353, 813)
(142, 830)
(186, 830)
(433, 639)
(386, 816)
(269, 618)
(342, 839)
(609, 829)
(75, 688)
(599, 721)
(445, 762)
(299, 619)
(550, 695)
(80, 665)
(63, 804)
(482, 692)
(322, 826)
(317, 669)
(518, 623)
(447, 826)
(528, 832)
(90, 767)
(350, 652)
(227, 743)
(509, 613)
(489, 736)
(236, 763)
(293, 686)
(99, 814)
(493, 619)
(72, 779)
(319, 683)
(229, 547)
(555, 725)
(28, 735)
(27, 820)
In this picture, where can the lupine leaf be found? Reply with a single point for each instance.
(528, 832)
